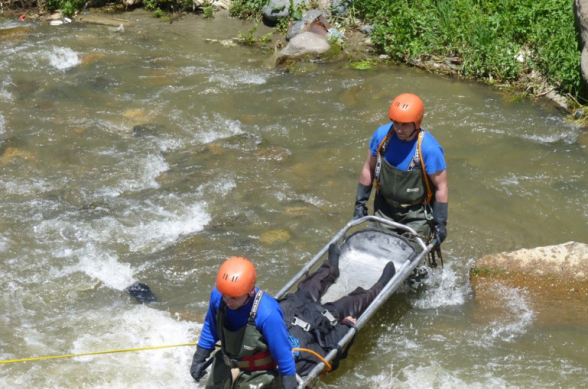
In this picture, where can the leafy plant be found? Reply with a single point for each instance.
(208, 12)
(67, 7)
(363, 65)
(158, 13)
(247, 9)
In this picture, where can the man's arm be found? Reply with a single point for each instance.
(440, 205)
(208, 335)
(364, 188)
(367, 173)
(439, 180)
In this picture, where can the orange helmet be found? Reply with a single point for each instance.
(407, 108)
(236, 277)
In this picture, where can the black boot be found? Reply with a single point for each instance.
(334, 254)
(387, 274)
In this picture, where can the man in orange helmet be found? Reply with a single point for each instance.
(251, 329)
(409, 170)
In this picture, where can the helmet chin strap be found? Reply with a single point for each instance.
(249, 297)
(409, 138)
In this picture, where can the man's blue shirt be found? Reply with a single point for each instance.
(399, 153)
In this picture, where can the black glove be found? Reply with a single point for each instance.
(197, 370)
(440, 220)
(362, 197)
(289, 381)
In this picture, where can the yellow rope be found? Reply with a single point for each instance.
(316, 355)
(141, 349)
(98, 352)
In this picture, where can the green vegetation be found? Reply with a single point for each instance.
(247, 9)
(499, 41)
(67, 7)
(362, 65)
(208, 12)
(250, 39)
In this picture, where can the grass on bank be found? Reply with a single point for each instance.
(500, 40)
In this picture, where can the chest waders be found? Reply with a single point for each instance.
(244, 361)
(403, 196)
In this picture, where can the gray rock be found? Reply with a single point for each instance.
(303, 25)
(341, 7)
(279, 9)
(581, 19)
(366, 29)
(147, 130)
(296, 28)
(304, 44)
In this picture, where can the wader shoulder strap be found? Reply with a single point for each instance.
(221, 316)
(418, 154)
(255, 307)
(379, 154)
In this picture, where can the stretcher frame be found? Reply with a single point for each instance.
(404, 268)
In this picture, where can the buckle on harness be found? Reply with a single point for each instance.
(329, 317)
(232, 363)
(301, 323)
(396, 204)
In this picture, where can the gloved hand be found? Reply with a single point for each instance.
(197, 369)
(362, 197)
(440, 221)
(289, 381)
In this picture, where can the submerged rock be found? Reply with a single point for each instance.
(275, 236)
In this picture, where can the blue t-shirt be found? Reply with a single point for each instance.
(269, 321)
(399, 153)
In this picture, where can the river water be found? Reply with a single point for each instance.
(153, 154)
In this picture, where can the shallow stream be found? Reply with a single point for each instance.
(153, 154)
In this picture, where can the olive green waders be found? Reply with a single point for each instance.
(228, 371)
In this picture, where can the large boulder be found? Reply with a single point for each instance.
(581, 17)
(307, 44)
(554, 279)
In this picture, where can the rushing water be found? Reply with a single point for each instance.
(152, 154)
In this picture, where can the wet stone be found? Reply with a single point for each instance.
(17, 34)
(147, 130)
(12, 142)
(275, 236)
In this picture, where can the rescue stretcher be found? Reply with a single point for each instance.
(364, 253)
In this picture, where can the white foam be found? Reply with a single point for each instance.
(4, 93)
(518, 315)
(167, 227)
(2, 123)
(444, 289)
(219, 129)
(220, 187)
(63, 58)
(104, 267)
(433, 375)
(3, 243)
(110, 328)
(149, 169)
(237, 77)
